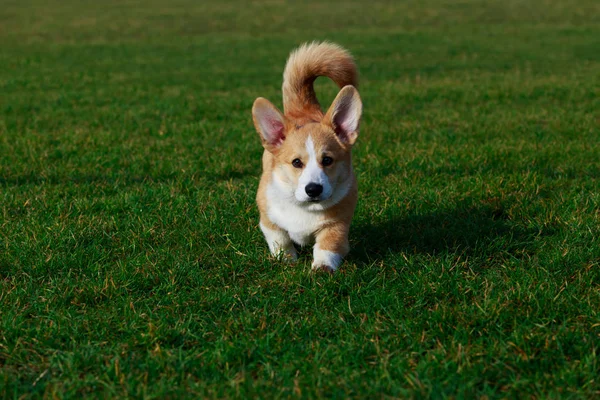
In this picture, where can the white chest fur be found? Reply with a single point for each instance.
(300, 223)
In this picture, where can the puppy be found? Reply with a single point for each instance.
(308, 192)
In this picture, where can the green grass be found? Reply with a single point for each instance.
(131, 263)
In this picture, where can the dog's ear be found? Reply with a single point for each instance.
(344, 114)
(270, 123)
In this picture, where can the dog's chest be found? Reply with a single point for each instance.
(300, 224)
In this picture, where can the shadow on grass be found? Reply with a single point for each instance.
(478, 231)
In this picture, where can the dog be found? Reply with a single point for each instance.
(308, 191)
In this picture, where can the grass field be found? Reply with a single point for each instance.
(131, 263)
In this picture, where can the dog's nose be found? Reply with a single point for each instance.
(313, 189)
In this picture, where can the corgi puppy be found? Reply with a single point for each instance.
(308, 191)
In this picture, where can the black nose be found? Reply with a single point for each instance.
(313, 189)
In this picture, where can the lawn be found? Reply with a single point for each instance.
(131, 262)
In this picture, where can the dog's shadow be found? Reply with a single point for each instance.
(471, 231)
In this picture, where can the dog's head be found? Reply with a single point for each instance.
(312, 162)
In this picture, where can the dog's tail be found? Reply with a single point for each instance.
(306, 64)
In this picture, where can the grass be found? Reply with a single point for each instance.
(131, 263)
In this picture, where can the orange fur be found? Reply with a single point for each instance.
(306, 64)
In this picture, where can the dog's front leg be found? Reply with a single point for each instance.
(330, 248)
(279, 241)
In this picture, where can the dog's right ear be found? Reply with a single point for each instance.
(270, 123)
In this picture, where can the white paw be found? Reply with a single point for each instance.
(288, 254)
(324, 260)
(322, 268)
(280, 244)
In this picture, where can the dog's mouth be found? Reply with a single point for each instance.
(314, 200)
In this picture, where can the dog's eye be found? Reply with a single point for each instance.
(327, 161)
(297, 163)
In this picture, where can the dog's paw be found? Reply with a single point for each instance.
(326, 261)
(322, 268)
(288, 255)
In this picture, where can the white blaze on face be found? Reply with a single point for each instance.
(312, 173)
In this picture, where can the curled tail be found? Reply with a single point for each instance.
(306, 64)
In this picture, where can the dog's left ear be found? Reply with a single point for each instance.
(270, 124)
(344, 114)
